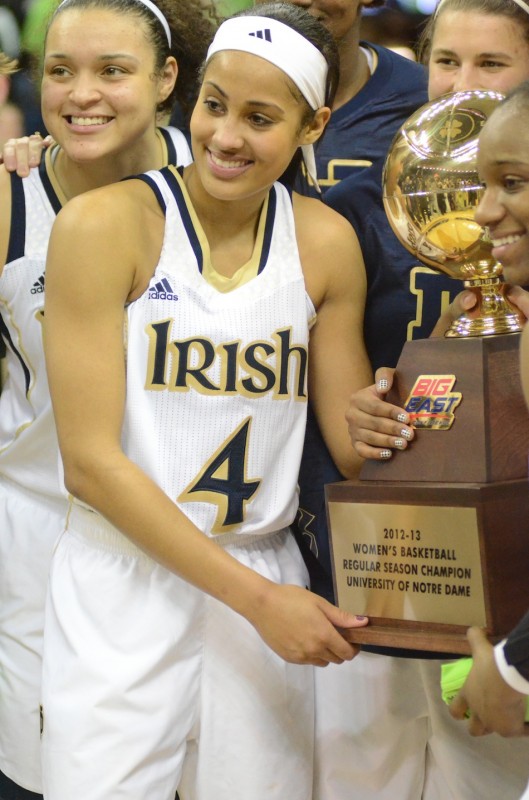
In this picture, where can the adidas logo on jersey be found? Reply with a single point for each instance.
(162, 291)
(264, 34)
(38, 286)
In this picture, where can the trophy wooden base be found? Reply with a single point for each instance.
(425, 562)
(405, 638)
(437, 539)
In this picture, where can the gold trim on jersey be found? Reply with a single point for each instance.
(419, 294)
(247, 271)
(333, 163)
(163, 145)
(51, 154)
(49, 161)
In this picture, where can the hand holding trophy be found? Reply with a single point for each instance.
(435, 540)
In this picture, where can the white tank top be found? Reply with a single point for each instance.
(217, 371)
(29, 452)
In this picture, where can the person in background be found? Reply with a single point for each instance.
(467, 44)
(377, 91)
(110, 70)
(33, 29)
(382, 726)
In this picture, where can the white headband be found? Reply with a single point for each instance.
(288, 50)
(154, 9)
(523, 5)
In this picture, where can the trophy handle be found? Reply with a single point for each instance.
(493, 313)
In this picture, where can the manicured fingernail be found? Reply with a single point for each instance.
(385, 454)
(399, 443)
(358, 617)
(402, 417)
(383, 384)
(406, 433)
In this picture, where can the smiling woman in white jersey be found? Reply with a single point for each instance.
(179, 631)
(110, 68)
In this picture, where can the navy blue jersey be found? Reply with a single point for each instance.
(404, 297)
(360, 132)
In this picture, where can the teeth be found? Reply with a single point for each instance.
(506, 240)
(220, 162)
(89, 120)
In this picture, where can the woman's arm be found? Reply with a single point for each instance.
(338, 363)
(102, 253)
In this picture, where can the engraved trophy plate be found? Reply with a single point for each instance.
(418, 563)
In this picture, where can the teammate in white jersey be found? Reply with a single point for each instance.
(180, 635)
(109, 70)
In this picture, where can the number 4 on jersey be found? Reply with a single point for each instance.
(223, 482)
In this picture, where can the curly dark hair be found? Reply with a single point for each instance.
(192, 24)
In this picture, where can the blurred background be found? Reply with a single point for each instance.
(397, 24)
(22, 25)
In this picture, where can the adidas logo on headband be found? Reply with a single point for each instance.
(265, 34)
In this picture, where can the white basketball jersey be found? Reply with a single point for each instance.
(217, 371)
(28, 442)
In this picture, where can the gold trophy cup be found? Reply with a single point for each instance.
(436, 539)
(431, 189)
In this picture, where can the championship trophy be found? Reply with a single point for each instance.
(437, 538)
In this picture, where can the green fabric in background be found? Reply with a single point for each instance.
(35, 24)
(228, 7)
(40, 11)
